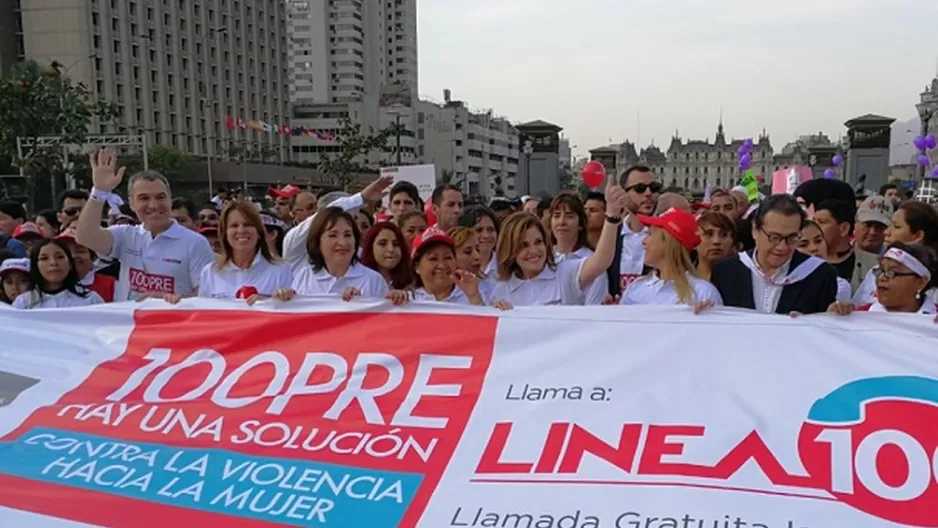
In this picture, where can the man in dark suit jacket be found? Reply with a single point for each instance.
(774, 278)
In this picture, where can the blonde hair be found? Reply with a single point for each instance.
(252, 217)
(676, 265)
(511, 240)
(461, 235)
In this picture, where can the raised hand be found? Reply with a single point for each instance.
(104, 173)
(465, 281)
(375, 190)
(615, 197)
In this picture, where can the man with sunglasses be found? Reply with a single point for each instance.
(71, 203)
(774, 278)
(642, 191)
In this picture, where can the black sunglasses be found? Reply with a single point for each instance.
(640, 188)
(71, 211)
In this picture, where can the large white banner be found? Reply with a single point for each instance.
(320, 413)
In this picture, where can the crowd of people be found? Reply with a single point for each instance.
(821, 249)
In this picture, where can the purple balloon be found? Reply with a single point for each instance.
(745, 162)
(931, 141)
(934, 172)
(830, 174)
(748, 143)
(923, 160)
(919, 142)
(743, 150)
(838, 159)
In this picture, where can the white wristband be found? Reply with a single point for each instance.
(97, 194)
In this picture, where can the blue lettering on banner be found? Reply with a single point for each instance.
(291, 492)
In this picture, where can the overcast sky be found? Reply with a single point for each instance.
(795, 67)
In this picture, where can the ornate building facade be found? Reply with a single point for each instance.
(688, 165)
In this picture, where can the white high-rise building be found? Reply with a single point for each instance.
(355, 59)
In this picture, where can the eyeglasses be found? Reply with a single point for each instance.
(891, 274)
(640, 188)
(208, 217)
(71, 211)
(776, 239)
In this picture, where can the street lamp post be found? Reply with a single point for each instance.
(925, 113)
(527, 150)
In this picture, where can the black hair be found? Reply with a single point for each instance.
(71, 281)
(404, 187)
(188, 205)
(543, 205)
(50, 217)
(593, 195)
(813, 192)
(743, 234)
(624, 178)
(497, 206)
(472, 214)
(783, 204)
(6, 253)
(437, 197)
(887, 187)
(209, 205)
(841, 210)
(13, 210)
(74, 194)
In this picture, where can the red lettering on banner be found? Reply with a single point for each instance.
(374, 391)
(582, 442)
(143, 282)
(658, 444)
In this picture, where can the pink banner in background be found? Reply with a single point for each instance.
(786, 180)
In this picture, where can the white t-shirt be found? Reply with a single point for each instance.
(597, 291)
(560, 286)
(632, 260)
(294, 243)
(650, 289)
(457, 296)
(64, 299)
(264, 276)
(844, 291)
(170, 263)
(369, 282)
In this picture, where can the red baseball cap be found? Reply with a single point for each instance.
(69, 235)
(288, 191)
(429, 237)
(678, 223)
(26, 230)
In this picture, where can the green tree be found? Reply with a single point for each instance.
(37, 102)
(171, 162)
(354, 145)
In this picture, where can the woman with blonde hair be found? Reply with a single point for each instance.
(245, 268)
(671, 238)
(528, 273)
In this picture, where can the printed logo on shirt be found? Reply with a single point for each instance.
(133, 252)
(628, 278)
(172, 260)
(143, 282)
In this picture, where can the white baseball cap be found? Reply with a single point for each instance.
(14, 264)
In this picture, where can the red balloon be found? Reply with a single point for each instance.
(594, 174)
(245, 291)
(428, 210)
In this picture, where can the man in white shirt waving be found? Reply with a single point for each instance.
(158, 258)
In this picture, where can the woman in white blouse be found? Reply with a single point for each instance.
(331, 247)
(438, 277)
(54, 279)
(671, 238)
(568, 227)
(245, 269)
(528, 274)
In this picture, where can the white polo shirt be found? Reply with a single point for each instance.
(170, 263)
(597, 291)
(560, 286)
(306, 281)
(632, 260)
(457, 296)
(294, 243)
(64, 299)
(650, 289)
(264, 276)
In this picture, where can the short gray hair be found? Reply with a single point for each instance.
(328, 199)
(147, 175)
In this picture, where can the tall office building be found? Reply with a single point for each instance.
(353, 60)
(341, 50)
(176, 68)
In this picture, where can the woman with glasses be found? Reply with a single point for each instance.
(904, 274)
